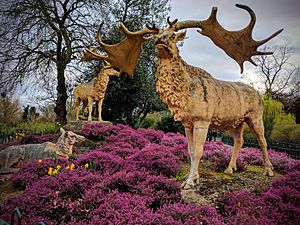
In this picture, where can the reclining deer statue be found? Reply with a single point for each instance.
(14, 156)
(93, 90)
(193, 96)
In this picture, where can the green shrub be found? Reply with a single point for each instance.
(148, 123)
(167, 124)
(32, 128)
(294, 133)
(289, 132)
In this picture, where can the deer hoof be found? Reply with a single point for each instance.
(228, 170)
(268, 172)
(188, 185)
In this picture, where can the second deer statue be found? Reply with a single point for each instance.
(93, 90)
(198, 100)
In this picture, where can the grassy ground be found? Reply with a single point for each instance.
(213, 184)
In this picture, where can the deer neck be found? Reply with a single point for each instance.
(171, 85)
(102, 78)
(101, 82)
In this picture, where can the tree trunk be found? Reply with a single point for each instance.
(62, 96)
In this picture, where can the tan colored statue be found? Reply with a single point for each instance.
(198, 100)
(15, 156)
(93, 90)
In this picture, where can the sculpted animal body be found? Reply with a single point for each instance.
(93, 91)
(15, 156)
(198, 100)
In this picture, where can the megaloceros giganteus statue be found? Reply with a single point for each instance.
(93, 91)
(194, 97)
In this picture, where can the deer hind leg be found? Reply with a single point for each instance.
(84, 105)
(90, 104)
(237, 134)
(77, 104)
(257, 128)
(198, 139)
(100, 102)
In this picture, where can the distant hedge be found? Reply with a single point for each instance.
(286, 133)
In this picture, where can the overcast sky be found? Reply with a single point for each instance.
(271, 15)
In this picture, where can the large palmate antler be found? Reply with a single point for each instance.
(123, 55)
(239, 45)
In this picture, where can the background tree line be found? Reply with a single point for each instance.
(41, 41)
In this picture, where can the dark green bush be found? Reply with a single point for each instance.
(167, 124)
(148, 123)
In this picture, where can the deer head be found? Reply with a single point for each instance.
(165, 40)
(239, 45)
(109, 70)
(123, 55)
(93, 55)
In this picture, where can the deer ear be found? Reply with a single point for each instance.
(180, 36)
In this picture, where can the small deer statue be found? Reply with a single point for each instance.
(93, 90)
(16, 155)
(193, 96)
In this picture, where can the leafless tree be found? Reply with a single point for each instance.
(10, 112)
(277, 73)
(40, 39)
(280, 77)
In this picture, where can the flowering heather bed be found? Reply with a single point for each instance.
(130, 180)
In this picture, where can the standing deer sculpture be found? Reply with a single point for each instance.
(93, 90)
(198, 100)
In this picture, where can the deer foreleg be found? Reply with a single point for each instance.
(189, 136)
(90, 103)
(198, 140)
(100, 102)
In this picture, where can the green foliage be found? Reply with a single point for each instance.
(294, 133)
(272, 109)
(285, 119)
(32, 128)
(148, 123)
(286, 133)
(167, 124)
(274, 114)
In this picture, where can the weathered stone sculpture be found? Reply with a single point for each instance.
(123, 55)
(15, 156)
(198, 100)
(93, 90)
